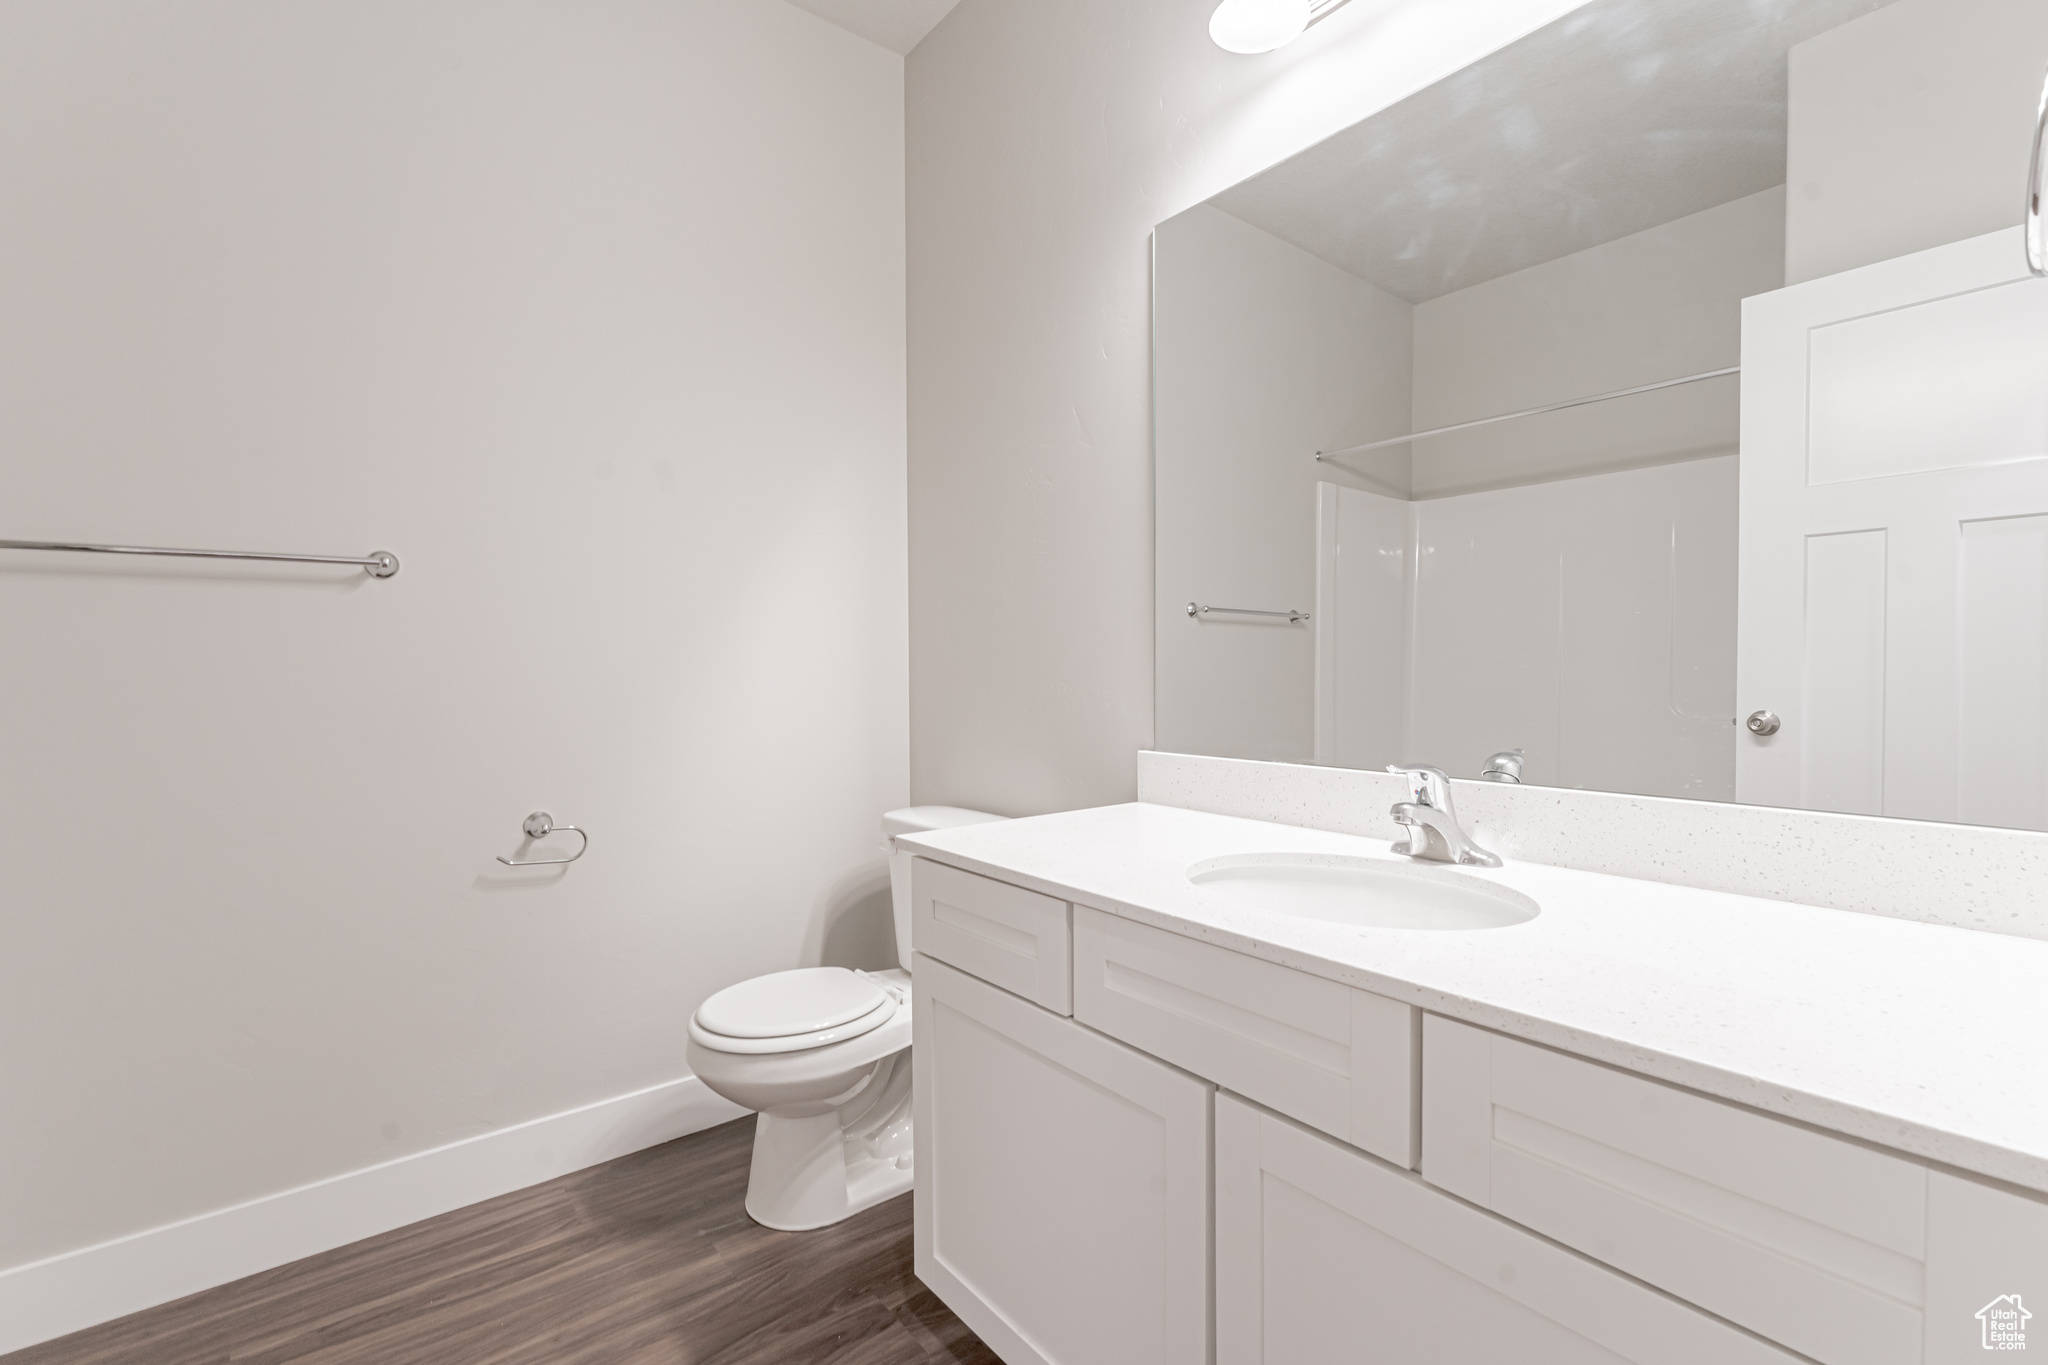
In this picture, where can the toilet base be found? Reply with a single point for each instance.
(814, 1171)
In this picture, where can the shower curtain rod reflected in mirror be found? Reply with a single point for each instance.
(1529, 412)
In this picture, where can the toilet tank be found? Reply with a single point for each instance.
(915, 820)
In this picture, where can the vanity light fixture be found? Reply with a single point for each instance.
(1250, 26)
(1253, 26)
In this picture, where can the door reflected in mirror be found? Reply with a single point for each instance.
(1664, 397)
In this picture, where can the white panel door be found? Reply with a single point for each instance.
(1894, 561)
(1324, 1255)
(1062, 1198)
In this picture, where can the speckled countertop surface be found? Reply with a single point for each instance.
(1925, 1038)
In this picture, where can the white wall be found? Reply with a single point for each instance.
(1365, 613)
(1910, 128)
(1045, 139)
(1263, 355)
(1589, 622)
(593, 313)
(1655, 305)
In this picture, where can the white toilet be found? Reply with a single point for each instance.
(824, 1054)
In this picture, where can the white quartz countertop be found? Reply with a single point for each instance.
(1919, 1037)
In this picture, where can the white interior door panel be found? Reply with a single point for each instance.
(1893, 598)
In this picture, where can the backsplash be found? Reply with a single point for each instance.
(1965, 876)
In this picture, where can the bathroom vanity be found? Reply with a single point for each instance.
(1650, 413)
(1160, 1120)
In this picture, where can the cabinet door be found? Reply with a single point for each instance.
(1987, 1259)
(1325, 1256)
(1062, 1182)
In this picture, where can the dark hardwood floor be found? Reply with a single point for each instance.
(647, 1260)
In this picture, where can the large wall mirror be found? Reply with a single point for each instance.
(1657, 406)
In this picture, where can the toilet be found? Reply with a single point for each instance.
(823, 1053)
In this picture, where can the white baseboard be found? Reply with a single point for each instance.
(60, 1295)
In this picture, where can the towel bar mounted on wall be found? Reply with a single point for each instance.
(377, 564)
(1199, 612)
(540, 825)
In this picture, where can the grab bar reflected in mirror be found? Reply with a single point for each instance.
(1199, 612)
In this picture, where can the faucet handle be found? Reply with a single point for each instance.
(1505, 766)
(1430, 786)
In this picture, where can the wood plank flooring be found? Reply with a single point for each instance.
(647, 1260)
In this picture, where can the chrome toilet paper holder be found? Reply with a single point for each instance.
(540, 825)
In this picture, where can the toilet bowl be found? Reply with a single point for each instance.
(823, 1054)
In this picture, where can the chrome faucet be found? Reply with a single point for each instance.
(1434, 833)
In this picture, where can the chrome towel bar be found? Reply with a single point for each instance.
(378, 564)
(1291, 615)
(1530, 412)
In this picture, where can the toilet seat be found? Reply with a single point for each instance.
(792, 1011)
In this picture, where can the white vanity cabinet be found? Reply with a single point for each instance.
(1218, 1158)
(1325, 1255)
(1062, 1182)
(1845, 1252)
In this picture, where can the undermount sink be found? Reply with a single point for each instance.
(1367, 892)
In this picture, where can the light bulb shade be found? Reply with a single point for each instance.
(1257, 25)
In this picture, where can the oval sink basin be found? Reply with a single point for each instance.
(1362, 891)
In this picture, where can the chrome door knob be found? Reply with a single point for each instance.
(1763, 724)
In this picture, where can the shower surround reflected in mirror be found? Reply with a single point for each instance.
(1677, 363)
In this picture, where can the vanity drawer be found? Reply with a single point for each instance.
(1005, 935)
(1338, 1059)
(1840, 1251)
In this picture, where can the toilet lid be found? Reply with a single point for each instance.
(783, 1004)
(881, 1014)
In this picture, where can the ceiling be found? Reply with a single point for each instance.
(898, 25)
(1621, 115)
